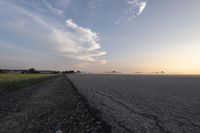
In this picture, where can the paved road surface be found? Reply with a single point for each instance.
(144, 103)
(49, 106)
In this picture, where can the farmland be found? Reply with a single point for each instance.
(144, 103)
(9, 82)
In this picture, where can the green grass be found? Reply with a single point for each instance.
(10, 82)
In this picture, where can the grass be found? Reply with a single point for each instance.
(10, 82)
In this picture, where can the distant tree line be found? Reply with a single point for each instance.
(29, 71)
(71, 72)
(34, 71)
(1, 71)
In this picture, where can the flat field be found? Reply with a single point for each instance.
(144, 103)
(9, 82)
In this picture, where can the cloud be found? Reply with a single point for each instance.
(85, 36)
(88, 40)
(141, 6)
(53, 9)
(70, 23)
(135, 8)
(137, 5)
(33, 31)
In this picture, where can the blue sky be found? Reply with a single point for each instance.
(101, 35)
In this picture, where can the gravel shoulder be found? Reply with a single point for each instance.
(49, 106)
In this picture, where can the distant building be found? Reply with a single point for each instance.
(162, 72)
(138, 72)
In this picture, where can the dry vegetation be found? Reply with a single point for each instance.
(9, 82)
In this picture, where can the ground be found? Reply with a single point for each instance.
(144, 103)
(82, 102)
(50, 106)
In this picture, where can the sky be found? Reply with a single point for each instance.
(127, 36)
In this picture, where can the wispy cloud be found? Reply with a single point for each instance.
(142, 7)
(87, 38)
(53, 9)
(138, 4)
(38, 33)
(135, 8)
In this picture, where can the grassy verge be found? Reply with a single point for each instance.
(10, 82)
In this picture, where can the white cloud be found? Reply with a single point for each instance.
(135, 8)
(86, 37)
(141, 6)
(136, 4)
(41, 35)
(71, 23)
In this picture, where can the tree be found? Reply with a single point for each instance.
(78, 71)
(32, 70)
(1, 71)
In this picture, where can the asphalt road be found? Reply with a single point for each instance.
(144, 103)
(50, 106)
